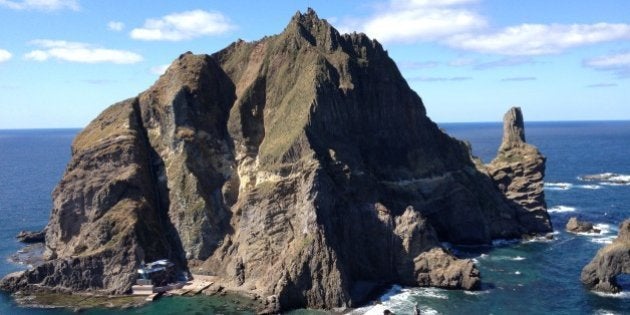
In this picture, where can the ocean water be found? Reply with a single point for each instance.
(536, 277)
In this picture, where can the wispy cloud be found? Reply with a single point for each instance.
(5, 55)
(460, 25)
(462, 62)
(504, 62)
(183, 26)
(619, 64)
(439, 79)
(540, 39)
(79, 52)
(115, 26)
(158, 70)
(601, 85)
(512, 79)
(414, 65)
(43, 5)
(418, 20)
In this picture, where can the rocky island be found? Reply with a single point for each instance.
(609, 262)
(300, 168)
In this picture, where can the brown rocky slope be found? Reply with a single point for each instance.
(301, 166)
(609, 262)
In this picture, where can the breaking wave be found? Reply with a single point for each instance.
(399, 301)
(606, 236)
(589, 187)
(620, 295)
(558, 186)
(610, 179)
(561, 208)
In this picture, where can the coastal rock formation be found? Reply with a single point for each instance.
(576, 226)
(31, 236)
(518, 171)
(300, 167)
(609, 262)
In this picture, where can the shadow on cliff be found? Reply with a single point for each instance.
(170, 245)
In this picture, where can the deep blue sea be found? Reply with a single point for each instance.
(537, 277)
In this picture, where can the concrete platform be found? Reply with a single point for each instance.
(193, 287)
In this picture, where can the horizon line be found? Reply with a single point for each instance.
(437, 122)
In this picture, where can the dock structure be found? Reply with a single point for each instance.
(193, 287)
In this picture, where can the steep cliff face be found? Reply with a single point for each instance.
(609, 262)
(300, 166)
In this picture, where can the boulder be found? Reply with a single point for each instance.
(576, 226)
(609, 262)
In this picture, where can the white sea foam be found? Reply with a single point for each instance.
(612, 179)
(517, 272)
(561, 208)
(558, 186)
(477, 292)
(602, 227)
(620, 295)
(603, 240)
(398, 300)
(517, 258)
(432, 293)
(605, 312)
(592, 187)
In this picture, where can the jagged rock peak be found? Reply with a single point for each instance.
(612, 260)
(318, 32)
(513, 128)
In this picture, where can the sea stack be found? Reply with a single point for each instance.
(300, 168)
(518, 171)
(609, 262)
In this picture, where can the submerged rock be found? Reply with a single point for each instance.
(576, 226)
(301, 166)
(609, 262)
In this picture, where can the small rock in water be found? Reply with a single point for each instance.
(31, 236)
(576, 226)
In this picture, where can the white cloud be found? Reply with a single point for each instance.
(159, 70)
(540, 39)
(115, 26)
(44, 5)
(183, 26)
(618, 63)
(79, 52)
(5, 55)
(418, 20)
(460, 25)
(609, 61)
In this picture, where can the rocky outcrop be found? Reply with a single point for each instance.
(576, 226)
(31, 236)
(300, 167)
(609, 262)
(518, 171)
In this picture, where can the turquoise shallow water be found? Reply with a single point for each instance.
(540, 277)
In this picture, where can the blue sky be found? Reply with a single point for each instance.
(63, 61)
